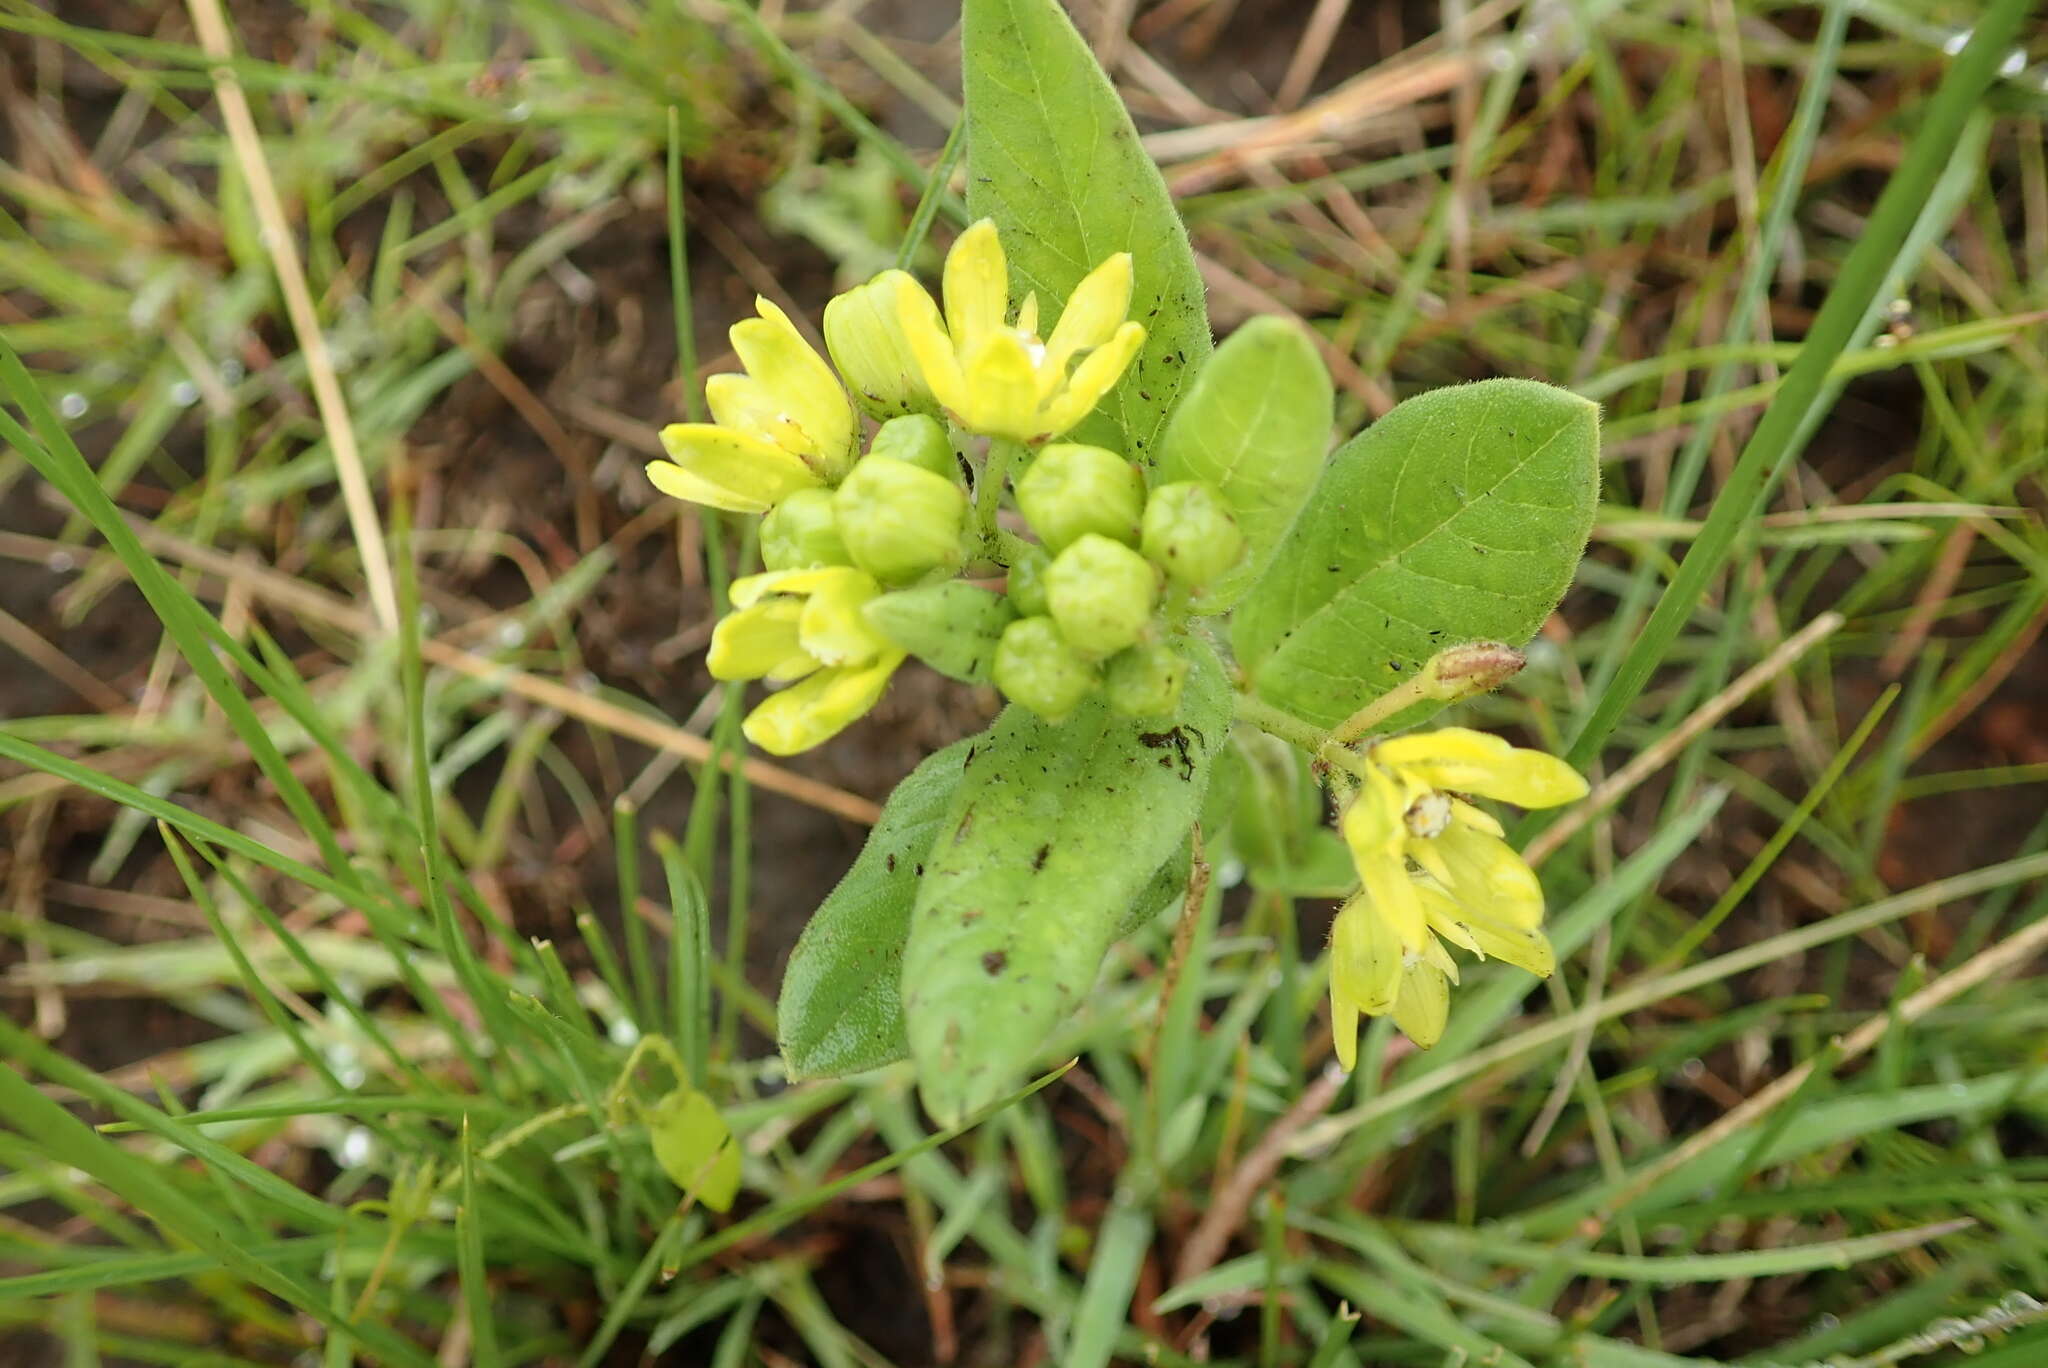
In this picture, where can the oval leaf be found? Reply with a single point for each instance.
(841, 1008)
(695, 1148)
(952, 627)
(1256, 425)
(1052, 836)
(1458, 517)
(1053, 159)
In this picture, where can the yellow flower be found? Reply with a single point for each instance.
(993, 374)
(804, 628)
(783, 426)
(1433, 868)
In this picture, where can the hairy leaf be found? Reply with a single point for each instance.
(1054, 832)
(1256, 425)
(1458, 517)
(841, 1009)
(1053, 159)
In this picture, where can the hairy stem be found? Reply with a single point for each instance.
(988, 488)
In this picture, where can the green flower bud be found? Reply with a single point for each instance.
(1190, 534)
(1037, 669)
(953, 627)
(1072, 490)
(919, 440)
(802, 532)
(1102, 594)
(1027, 582)
(1145, 680)
(900, 521)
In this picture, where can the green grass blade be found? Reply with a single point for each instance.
(1775, 442)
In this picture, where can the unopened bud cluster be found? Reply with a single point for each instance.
(1089, 593)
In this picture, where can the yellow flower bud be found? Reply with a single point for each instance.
(864, 332)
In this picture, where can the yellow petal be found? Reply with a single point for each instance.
(1468, 761)
(726, 469)
(746, 405)
(977, 286)
(1446, 918)
(800, 665)
(757, 641)
(819, 708)
(1098, 305)
(1487, 876)
(1435, 954)
(833, 628)
(1365, 957)
(936, 356)
(1424, 1004)
(1430, 856)
(1465, 814)
(1372, 824)
(1394, 897)
(1027, 314)
(1002, 393)
(1344, 1032)
(741, 403)
(1094, 377)
(1441, 745)
(815, 579)
(1524, 947)
(802, 387)
(748, 590)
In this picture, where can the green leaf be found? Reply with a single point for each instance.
(1458, 517)
(1167, 887)
(952, 627)
(1053, 833)
(841, 1010)
(1256, 425)
(1053, 159)
(695, 1147)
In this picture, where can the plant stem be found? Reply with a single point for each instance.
(988, 489)
(1406, 694)
(1285, 725)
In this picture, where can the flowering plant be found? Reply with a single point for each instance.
(1147, 547)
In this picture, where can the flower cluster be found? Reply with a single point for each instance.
(861, 548)
(1433, 868)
